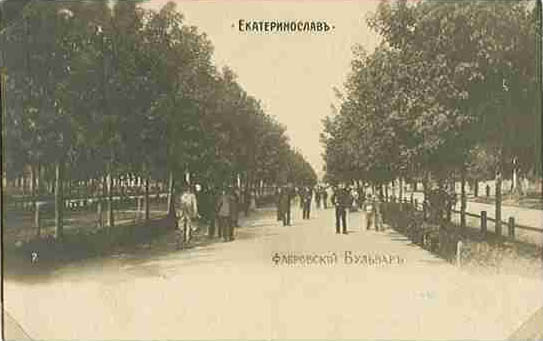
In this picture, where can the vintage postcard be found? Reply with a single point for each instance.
(258, 169)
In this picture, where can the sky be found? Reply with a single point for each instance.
(292, 74)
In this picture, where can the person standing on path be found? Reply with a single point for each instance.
(306, 197)
(188, 211)
(213, 198)
(341, 200)
(223, 207)
(318, 197)
(301, 192)
(369, 209)
(325, 197)
(234, 201)
(285, 206)
(377, 220)
(278, 194)
(234, 207)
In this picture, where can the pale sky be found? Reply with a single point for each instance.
(293, 74)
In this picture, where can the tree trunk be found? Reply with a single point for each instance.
(32, 181)
(147, 199)
(498, 204)
(463, 199)
(100, 197)
(425, 184)
(23, 183)
(171, 185)
(41, 178)
(110, 205)
(425, 189)
(246, 195)
(70, 187)
(476, 188)
(35, 207)
(400, 180)
(59, 200)
(514, 180)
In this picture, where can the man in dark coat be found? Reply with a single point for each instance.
(306, 197)
(341, 199)
(286, 196)
(278, 193)
(235, 207)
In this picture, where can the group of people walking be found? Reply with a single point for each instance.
(225, 217)
(226, 205)
(344, 199)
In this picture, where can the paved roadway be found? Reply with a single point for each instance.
(234, 291)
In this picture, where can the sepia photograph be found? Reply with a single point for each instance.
(271, 170)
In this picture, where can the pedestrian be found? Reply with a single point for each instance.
(285, 206)
(370, 212)
(213, 199)
(234, 199)
(224, 214)
(341, 200)
(354, 203)
(234, 209)
(377, 216)
(278, 193)
(361, 196)
(307, 196)
(362, 200)
(325, 197)
(188, 212)
(318, 197)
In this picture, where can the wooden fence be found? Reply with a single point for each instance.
(483, 217)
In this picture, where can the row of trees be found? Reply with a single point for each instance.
(451, 93)
(98, 90)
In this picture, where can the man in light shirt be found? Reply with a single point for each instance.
(188, 210)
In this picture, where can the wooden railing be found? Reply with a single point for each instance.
(511, 224)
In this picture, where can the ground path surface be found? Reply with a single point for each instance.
(234, 290)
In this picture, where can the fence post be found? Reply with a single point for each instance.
(483, 222)
(511, 227)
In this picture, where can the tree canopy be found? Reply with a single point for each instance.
(452, 84)
(126, 90)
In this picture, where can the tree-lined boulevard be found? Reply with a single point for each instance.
(452, 94)
(104, 99)
(120, 132)
(235, 290)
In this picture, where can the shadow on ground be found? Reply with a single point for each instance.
(37, 260)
